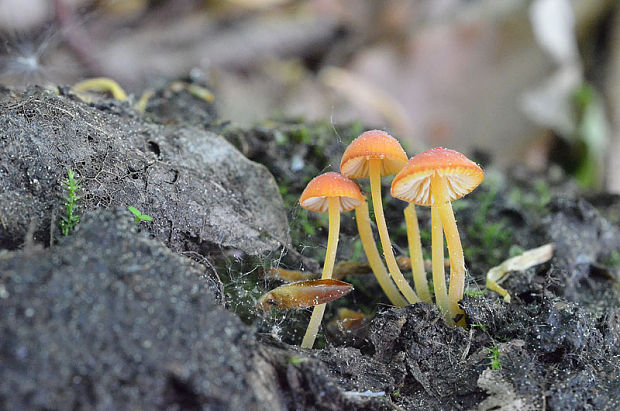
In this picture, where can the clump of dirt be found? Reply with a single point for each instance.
(200, 191)
(111, 317)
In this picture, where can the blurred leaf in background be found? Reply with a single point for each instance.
(593, 133)
(565, 102)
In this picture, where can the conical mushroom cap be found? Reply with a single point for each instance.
(320, 188)
(373, 144)
(413, 182)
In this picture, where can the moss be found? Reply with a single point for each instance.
(485, 240)
(474, 293)
(613, 260)
(536, 200)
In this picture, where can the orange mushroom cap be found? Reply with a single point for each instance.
(413, 183)
(314, 197)
(373, 144)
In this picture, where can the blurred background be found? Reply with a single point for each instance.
(530, 82)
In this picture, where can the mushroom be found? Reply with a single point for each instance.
(435, 178)
(332, 193)
(371, 155)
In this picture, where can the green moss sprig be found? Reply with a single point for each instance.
(494, 360)
(70, 219)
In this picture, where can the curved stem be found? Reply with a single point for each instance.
(415, 253)
(439, 275)
(375, 190)
(374, 259)
(439, 188)
(328, 267)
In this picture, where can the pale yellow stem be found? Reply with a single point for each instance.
(375, 190)
(439, 274)
(333, 207)
(102, 84)
(439, 188)
(415, 254)
(332, 238)
(374, 259)
(313, 326)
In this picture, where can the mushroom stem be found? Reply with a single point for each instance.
(374, 259)
(332, 238)
(439, 188)
(415, 254)
(313, 326)
(333, 205)
(375, 190)
(439, 275)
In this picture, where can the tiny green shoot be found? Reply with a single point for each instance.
(495, 363)
(139, 216)
(70, 219)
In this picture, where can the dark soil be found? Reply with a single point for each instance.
(162, 315)
(199, 190)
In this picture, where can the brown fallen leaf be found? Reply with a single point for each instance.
(304, 294)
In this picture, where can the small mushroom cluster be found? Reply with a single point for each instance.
(433, 178)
